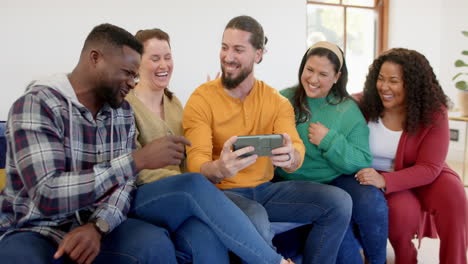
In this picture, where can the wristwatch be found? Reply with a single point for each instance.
(101, 226)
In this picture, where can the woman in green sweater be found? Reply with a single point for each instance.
(336, 137)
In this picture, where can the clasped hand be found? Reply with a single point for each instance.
(317, 132)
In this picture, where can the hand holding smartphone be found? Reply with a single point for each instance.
(263, 144)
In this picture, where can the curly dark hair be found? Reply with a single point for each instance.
(301, 107)
(144, 35)
(424, 95)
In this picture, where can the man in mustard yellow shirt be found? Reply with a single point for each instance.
(238, 104)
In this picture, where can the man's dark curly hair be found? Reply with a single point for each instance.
(424, 95)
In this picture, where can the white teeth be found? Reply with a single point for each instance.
(387, 96)
(313, 87)
(162, 74)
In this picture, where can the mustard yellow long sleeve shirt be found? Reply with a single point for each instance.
(212, 116)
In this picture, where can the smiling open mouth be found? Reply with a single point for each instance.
(162, 74)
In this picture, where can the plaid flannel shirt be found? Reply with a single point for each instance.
(43, 192)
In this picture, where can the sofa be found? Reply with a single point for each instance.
(282, 239)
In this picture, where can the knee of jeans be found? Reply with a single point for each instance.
(341, 203)
(256, 213)
(371, 203)
(259, 218)
(39, 249)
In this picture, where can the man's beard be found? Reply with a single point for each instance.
(231, 83)
(108, 95)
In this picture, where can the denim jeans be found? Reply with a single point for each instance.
(170, 202)
(327, 207)
(133, 241)
(369, 221)
(195, 242)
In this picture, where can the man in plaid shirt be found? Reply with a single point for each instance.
(71, 164)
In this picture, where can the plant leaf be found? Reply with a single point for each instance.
(465, 33)
(457, 75)
(465, 52)
(460, 63)
(462, 85)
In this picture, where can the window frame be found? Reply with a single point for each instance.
(381, 9)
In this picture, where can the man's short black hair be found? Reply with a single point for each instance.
(113, 35)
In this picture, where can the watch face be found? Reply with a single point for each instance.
(102, 225)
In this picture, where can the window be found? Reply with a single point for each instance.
(359, 27)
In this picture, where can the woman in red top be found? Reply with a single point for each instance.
(425, 197)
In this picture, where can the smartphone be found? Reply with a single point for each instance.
(263, 144)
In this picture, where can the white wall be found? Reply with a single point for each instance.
(433, 27)
(416, 24)
(454, 20)
(44, 37)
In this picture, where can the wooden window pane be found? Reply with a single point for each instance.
(368, 3)
(328, 1)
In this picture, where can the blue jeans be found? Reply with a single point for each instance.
(369, 221)
(195, 242)
(133, 241)
(327, 207)
(170, 202)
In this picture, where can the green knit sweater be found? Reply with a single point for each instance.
(345, 148)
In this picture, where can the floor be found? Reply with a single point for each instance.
(427, 254)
